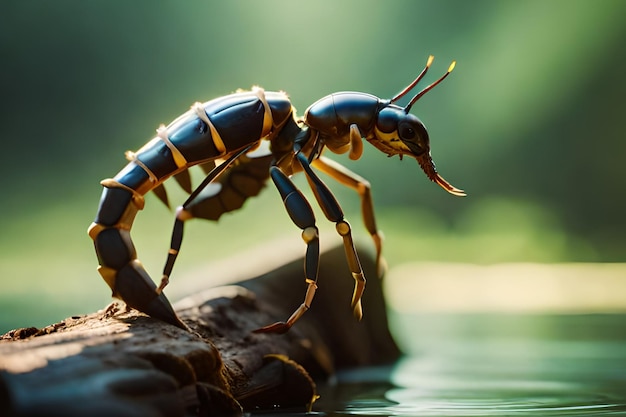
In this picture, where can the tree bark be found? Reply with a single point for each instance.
(124, 363)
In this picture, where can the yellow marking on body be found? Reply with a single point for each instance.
(94, 230)
(138, 199)
(132, 157)
(217, 139)
(109, 275)
(389, 143)
(179, 159)
(268, 120)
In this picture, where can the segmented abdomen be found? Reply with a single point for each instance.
(208, 131)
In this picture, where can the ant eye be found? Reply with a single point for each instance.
(406, 132)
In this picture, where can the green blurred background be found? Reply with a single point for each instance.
(530, 124)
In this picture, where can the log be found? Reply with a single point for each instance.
(123, 363)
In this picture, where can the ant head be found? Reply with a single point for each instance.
(399, 132)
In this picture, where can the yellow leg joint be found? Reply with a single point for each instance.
(343, 228)
(309, 234)
(310, 293)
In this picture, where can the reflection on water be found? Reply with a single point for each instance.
(487, 365)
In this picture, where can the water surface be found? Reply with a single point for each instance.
(493, 365)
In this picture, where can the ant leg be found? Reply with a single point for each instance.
(334, 213)
(302, 215)
(348, 178)
(176, 242)
(182, 215)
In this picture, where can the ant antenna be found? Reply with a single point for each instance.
(414, 83)
(430, 87)
(425, 90)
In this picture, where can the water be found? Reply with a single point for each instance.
(493, 365)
